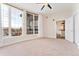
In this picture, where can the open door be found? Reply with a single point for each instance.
(60, 29)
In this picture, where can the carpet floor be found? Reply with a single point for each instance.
(41, 47)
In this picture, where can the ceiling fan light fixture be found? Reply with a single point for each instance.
(48, 5)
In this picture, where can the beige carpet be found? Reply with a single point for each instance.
(41, 47)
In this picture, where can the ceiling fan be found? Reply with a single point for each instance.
(44, 5)
(47, 4)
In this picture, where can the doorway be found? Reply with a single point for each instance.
(60, 34)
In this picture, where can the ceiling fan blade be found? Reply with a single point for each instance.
(49, 6)
(42, 7)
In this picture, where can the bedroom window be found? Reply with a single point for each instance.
(32, 23)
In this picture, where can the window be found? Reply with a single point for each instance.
(32, 23)
(5, 19)
(11, 20)
(16, 22)
(29, 24)
(36, 24)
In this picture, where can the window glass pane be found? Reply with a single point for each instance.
(5, 19)
(36, 24)
(29, 24)
(16, 22)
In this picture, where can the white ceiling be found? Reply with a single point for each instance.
(63, 9)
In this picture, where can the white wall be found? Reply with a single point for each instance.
(49, 28)
(72, 29)
(71, 26)
(77, 29)
(69, 29)
(77, 25)
(40, 26)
